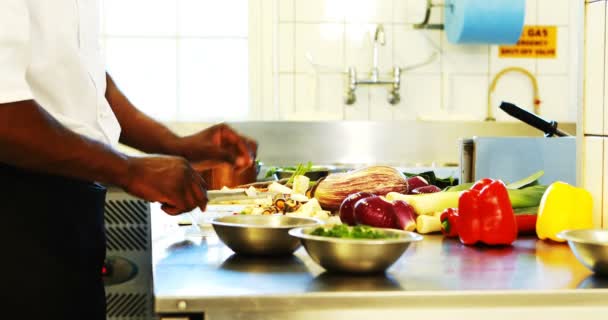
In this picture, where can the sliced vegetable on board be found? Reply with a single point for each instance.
(279, 188)
(300, 184)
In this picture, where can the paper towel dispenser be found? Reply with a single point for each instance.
(479, 21)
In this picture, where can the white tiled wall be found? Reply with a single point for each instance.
(337, 34)
(604, 213)
(595, 116)
(180, 60)
(592, 178)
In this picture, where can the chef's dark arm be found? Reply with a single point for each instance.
(31, 138)
(207, 148)
(139, 130)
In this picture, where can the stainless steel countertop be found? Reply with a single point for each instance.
(196, 274)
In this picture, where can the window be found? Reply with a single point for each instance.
(180, 60)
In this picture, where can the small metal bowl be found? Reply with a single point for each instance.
(353, 255)
(590, 246)
(260, 235)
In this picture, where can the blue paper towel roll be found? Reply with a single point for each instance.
(484, 21)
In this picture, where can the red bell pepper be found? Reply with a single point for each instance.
(449, 219)
(526, 223)
(486, 214)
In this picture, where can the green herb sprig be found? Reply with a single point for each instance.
(300, 171)
(356, 232)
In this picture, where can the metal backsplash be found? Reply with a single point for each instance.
(399, 143)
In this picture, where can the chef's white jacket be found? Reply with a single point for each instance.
(50, 52)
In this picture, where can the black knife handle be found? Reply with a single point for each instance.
(549, 128)
(556, 131)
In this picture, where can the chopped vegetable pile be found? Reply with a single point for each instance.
(346, 232)
(382, 197)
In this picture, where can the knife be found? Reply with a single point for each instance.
(548, 127)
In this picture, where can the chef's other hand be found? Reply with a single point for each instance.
(216, 145)
(168, 180)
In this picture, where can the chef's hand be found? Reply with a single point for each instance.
(217, 145)
(168, 180)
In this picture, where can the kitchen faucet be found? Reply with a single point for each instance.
(379, 40)
(536, 99)
(375, 79)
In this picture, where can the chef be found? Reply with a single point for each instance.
(61, 116)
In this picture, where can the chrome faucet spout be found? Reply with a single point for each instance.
(379, 36)
(379, 40)
(375, 79)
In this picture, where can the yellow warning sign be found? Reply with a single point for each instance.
(535, 42)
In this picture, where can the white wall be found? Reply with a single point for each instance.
(181, 60)
(595, 116)
(337, 33)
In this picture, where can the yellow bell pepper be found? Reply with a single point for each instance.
(563, 207)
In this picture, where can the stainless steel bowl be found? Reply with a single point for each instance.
(353, 255)
(590, 246)
(260, 235)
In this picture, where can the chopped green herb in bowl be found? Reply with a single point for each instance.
(358, 249)
(356, 232)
